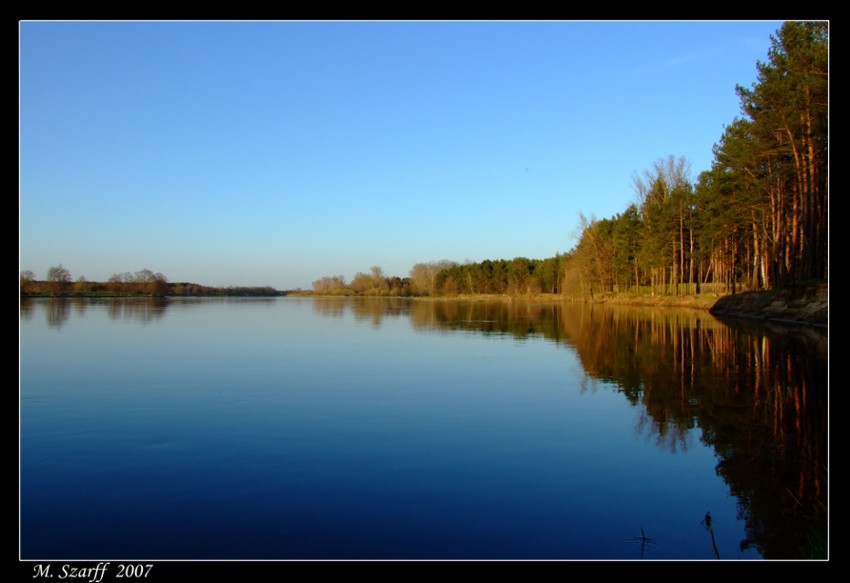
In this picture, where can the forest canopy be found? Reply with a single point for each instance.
(758, 219)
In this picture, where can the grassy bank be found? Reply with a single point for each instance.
(701, 301)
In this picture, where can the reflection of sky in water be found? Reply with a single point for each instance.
(240, 429)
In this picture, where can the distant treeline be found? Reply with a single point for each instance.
(59, 283)
(518, 276)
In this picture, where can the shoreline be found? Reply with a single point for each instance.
(806, 304)
(802, 304)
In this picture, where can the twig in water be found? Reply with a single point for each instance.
(644, 540)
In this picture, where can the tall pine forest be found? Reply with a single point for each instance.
(758, 219)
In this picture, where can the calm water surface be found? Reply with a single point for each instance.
(305, 428)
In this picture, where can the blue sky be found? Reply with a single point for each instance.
(275, 153)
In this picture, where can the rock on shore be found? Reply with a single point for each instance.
(804, 304)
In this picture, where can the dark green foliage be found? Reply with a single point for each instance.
(758, 218)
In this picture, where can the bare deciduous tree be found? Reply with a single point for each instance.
(58, 279)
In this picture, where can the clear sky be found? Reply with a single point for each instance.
(275, 153)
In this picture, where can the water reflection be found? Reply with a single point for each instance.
(756, 393)
(58, 310)
(143, 310)
(519, 319)
(364, 309)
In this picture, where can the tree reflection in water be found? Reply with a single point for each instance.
(756, 393)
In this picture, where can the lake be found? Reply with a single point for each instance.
(369, 428)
